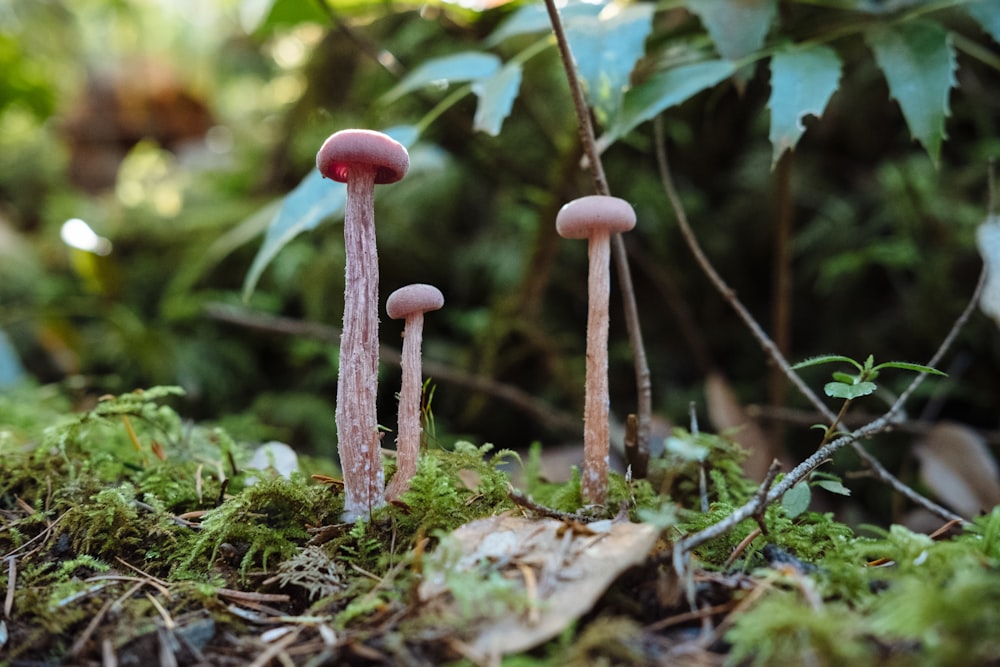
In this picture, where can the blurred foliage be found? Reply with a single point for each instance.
(882, 250)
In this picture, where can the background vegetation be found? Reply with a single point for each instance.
(174, 129)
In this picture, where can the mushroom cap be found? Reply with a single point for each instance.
(347, 147)
(580, 218)
(417, 298)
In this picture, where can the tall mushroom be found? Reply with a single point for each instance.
(596, 218)
(360, 158)
(410, 303)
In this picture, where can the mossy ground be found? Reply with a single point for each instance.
(125, 531)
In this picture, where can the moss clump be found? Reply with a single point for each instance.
(260, 526)
(927, 603)
(454, 487)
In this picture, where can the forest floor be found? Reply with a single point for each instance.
(129, 536)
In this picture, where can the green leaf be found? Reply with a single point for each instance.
(313, 200)
(918, 61)
(849, 391)
(796, 500)
(844, 377)
(987, 14)
(907, 366)
(465, 66)
(802, 82)
(825, 359)
(988, 241)
(738, 28)
(834, 486)
(496, 98)
(664, 90)
(534, 18)
(606, 51)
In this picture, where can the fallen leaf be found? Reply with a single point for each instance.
(561, 570)
(957, 465)
(726, 412)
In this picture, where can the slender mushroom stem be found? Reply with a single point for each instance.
(357, 383)
(408, 441)
(410, 303)
(361, 159)
(596, 410)
(596, 218)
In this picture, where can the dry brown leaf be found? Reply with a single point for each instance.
(570, 570)
(957, 465)
(726, 412)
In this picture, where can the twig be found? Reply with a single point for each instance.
(546, 415)
(527, 503)
(379, 54)
(644, 385)
(880, 424)
(720, 285)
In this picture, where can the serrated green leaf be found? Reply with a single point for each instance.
(918, 61)
(534, 18)
(737, 28)
(496, 98)
(664, 90)
(849, 391)
(825, 359)
(907, 366)
(313, 200)
(987, 14)
(833, 486)
(802, 82)
(606, 50)
(796, 500)
(457, 67)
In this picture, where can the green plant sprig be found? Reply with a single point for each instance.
(853, 386)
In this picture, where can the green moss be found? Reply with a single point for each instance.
(454, 487)
(784, 629)
(262, 525)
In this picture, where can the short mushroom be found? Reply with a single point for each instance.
(596, 218)
(410, 303)
(362, 159)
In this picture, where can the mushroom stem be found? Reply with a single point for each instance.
(596, 218)
(408, 440)
(596, 438)
(357, 382)
(409, 304)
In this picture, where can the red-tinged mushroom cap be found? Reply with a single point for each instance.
(580, 218)
(347, 147)
(412, 299)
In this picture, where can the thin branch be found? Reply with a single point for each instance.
(644, 386)
(546, 415)
(801, 471)
(721, 286)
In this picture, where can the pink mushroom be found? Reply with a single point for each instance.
(596, 218)
(410, 303)
(360, 158)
